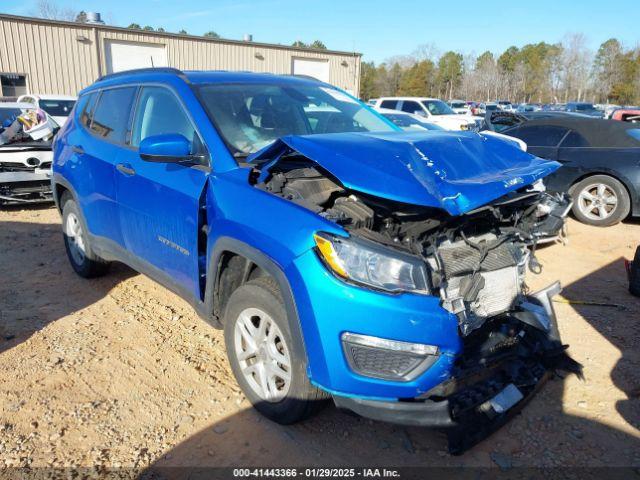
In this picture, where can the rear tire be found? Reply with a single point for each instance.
(263, 356)
(76, 241)
(600, 200)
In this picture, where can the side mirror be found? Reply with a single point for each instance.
(166, 148)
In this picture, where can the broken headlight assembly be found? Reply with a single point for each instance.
(372, 265)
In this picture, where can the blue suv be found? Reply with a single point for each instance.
(343, 257)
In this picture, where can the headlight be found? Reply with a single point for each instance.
(373, 265)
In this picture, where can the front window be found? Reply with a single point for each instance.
(57, 108)
(250, 117)
(438, 107)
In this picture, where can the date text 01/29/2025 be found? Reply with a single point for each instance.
(315, 473)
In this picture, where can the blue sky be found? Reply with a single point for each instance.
(378, 29)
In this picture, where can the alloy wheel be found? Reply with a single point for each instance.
(597, 201)
(262, 354)
(73, 231)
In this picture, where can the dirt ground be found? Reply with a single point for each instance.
(119, 371)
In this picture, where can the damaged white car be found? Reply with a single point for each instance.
(25, 154)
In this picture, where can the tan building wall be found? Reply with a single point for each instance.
(64, 57)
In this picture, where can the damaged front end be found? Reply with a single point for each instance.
(472, 231)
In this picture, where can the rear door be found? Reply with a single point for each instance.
(96, 147)
(159, 203)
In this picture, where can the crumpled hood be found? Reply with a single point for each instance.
(455, 171)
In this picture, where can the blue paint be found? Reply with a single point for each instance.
(155, 216)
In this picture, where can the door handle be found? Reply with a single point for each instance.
(78, 149)
(126, 169)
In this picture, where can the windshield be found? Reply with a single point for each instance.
(583, 107)
(251, 116)
(57, 108)
(458, 105)
(438, 107)
(408, 122)
(7, 115)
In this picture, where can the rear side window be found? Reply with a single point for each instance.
(540, 135)
(85, 108)
(159, 112)
(574, 139)
(389, 104)
(411, 107)
(111, 116)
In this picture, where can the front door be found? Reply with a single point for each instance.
(159, 202)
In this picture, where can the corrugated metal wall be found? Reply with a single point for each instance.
(64, 58)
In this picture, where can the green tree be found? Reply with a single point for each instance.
(135, 26)
(148, 28)
(625, 90)
(417, 80)
(183, 32)
(394, 77)
(211, 34)
(450, 71)
(318, 45)
(160, 29)
(299, 44)
(81, 17)
(485, 60)
(607, 66)
(509, 59)
(368, 86)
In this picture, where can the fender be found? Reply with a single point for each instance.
(229, 244)
(57, 179)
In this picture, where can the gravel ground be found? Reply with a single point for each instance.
(119, 372)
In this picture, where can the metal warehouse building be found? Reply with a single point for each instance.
(44, 56)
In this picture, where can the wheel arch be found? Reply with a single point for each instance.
(250, 263)
(60, 186)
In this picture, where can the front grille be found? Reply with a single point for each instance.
(16, 167)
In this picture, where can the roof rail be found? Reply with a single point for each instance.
(137, 71)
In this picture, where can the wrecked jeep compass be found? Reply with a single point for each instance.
(343, 257)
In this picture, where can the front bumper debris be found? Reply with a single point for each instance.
(25, 187)
(503, 365)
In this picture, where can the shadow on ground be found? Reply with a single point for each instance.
(38, 285)
(543, 435)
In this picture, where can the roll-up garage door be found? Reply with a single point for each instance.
(313, 68)
(128, 55)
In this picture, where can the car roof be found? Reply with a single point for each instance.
(201, 78)
(598, 132)
(420, 99)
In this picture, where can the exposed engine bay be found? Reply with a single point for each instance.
(477, 261)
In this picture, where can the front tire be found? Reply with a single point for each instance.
(76, 241)
(263, 356)
(600, 200)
